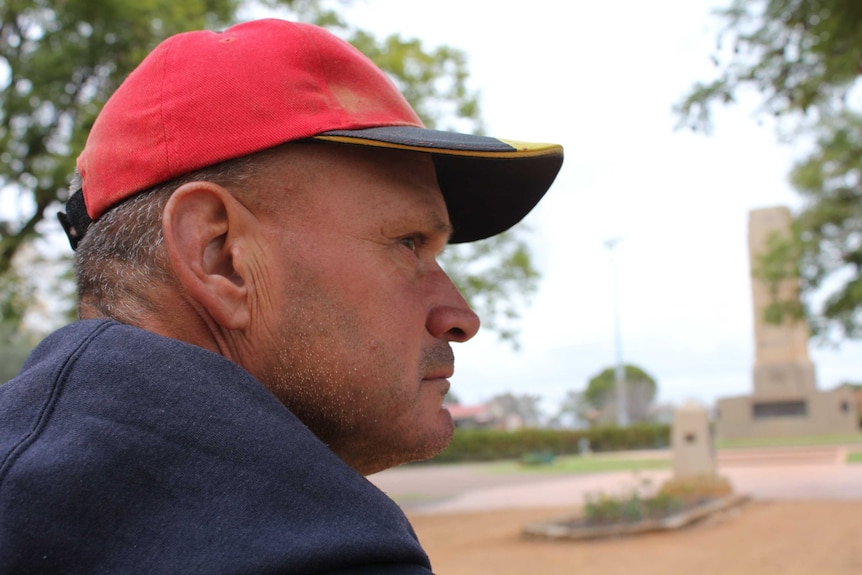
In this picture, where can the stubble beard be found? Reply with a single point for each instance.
(330, 393)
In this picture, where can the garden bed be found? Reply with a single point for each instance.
(580, 528)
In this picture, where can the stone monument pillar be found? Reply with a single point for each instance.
(781, 363)
(692, 443)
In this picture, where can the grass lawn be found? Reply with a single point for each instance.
(791, 441)
(855, 457)
(610, 461)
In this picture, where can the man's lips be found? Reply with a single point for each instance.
(440, 378)
(440, 374)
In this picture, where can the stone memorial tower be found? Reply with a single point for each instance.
(781, 363)
(786, 401)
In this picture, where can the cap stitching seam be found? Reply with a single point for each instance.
(162, 114)
(321, 76)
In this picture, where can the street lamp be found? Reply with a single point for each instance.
(619, 370)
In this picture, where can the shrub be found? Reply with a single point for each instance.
(492, 444)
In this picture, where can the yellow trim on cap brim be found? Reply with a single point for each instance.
(522, 149)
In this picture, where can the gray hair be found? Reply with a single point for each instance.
(122, 259)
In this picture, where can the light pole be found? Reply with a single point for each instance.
(619, 370)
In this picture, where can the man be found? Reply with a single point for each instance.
(263, 317)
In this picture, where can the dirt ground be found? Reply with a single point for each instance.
(758, 538)
(804, 517)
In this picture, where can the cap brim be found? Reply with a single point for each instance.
(489, 184)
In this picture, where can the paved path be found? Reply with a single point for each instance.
(811, 474)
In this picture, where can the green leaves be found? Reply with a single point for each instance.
(15, 346)
(801, 56)
(804, 60)
(600, 388)
(497, 277)
(825, 249)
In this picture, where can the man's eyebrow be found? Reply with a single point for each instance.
(442, 227)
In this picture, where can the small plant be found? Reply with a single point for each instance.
(663, 505)
(632, 509)
(602, 509)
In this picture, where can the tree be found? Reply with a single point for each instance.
(58, 66)
(16, 342)
(575, 410)
(14, 349)
(639, 387)
(497, 277)
(522, 407)
(803, 58)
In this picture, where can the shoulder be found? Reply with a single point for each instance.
(141, 442)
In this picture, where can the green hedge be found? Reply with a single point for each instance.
(490, 445)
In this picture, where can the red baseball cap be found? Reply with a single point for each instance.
(200, 98)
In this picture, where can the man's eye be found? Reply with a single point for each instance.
(409, 243)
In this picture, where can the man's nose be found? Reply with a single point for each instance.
(450, 317)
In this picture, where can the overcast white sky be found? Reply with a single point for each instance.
(600, 78)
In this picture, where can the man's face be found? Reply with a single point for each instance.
(354, 315)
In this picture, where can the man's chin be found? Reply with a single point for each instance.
(436, 438)
(441, 438)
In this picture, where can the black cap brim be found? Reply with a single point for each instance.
(489, 184)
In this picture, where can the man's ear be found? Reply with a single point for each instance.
(201, 226)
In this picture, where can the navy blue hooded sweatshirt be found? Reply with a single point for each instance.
(122, 451)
